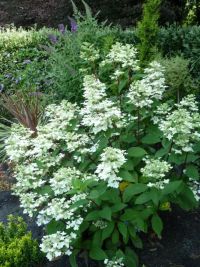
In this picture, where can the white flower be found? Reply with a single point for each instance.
(155, 170)
(182, 125)
(143, 92)
(125, 55)
(32, 201)
(111, 161)
(195, 187)
(57, 244)
(114, 262)
(99, 113)
(100, 224)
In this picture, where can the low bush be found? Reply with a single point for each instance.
(178, 78)
(174, 40)
(100, 174)
(22, 59)
(17, 248)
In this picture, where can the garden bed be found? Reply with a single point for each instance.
(179, 247)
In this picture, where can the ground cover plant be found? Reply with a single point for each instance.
(97, 175)
(17, 248)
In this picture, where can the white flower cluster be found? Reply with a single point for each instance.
(100, 224)
(30, 202)
(125, 55)
(57, 244)
(18, 141)
(143, 92)
(195, 187)
(155, 171)
(114, 262)
(99, 113)
(111, 161)
(182, 125)
(62, 179)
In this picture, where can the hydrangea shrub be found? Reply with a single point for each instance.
(98, 175)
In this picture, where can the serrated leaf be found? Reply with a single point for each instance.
(157, 224)
(136, 152)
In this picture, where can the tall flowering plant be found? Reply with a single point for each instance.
(97, 175)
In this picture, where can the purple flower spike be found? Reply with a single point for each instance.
(74, 26)
(53, 38)
(61, 28)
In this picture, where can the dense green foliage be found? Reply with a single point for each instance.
(17, 248)
(175, 40)
(23, 59)
(178, 78)
(147, 30)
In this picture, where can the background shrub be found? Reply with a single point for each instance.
(178, 78)
(23, 59)
(175, 40)
(147, 29)
(17, 248)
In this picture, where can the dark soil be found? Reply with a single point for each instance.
(179, 246)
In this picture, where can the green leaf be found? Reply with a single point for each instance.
(132, 190)
(72, 260)
(131, 258)
(192, 171)
(143, 198)
(126, 176)
(137, 242)
(54, 226)
(122, 85)
(106, 213)
(106, 232)
(171, 187)
(155, 196)
(117, 207)
(136, 152)
(115, 237)
(151, 138)
(162, 152)
(128, 165)
(123, 230)
(97, 238)
(157, 224)
(96, 253)
(93, 215)
(129, 215)
(128, 138)
(186, 199)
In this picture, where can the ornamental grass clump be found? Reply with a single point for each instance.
(98, 175)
